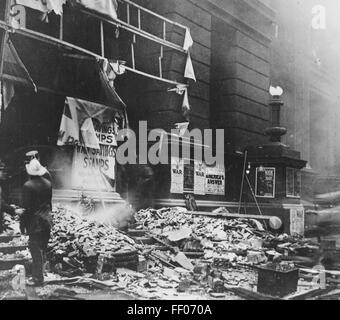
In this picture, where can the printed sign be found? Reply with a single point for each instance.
(199, 178)
(177, 175)
(215, 180)
(106, 135)
(297, 222)
(93, 169)
(265, 182)
(189, 178)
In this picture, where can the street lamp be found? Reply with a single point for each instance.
(275, 132)
(276, 91)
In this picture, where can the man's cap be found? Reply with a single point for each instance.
(33, 153)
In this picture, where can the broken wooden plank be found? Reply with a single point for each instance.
(230, 215)
(313, 293)
(248, 294)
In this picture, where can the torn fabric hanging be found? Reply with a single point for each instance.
(76, 127)
(107, 76)
(7, 93)
(111, 69)
(118, 67)
(89, 134)
(15, 64)
(108, 72)
(182, 128)
(189, 69)
(188, 42)
(106, 7)
(183, 91)
(185, 104)
(45, 6)
(180, 88)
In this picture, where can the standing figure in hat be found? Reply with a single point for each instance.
(36, 221)
(35, 155)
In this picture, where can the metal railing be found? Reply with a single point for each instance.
(118, 23)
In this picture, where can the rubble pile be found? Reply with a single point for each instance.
(16, 242)
(79, 242)
(224, 241)
(18, 255)
(11, 225)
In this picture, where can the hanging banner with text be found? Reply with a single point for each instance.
(93, 169)
(215, 180)
(177, 175)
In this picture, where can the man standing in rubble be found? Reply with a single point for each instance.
(36, 221)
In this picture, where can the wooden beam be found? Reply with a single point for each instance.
(230, 215)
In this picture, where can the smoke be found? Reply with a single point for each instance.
(305, 63)
(113, 215)
(117, 215)
(61, 166)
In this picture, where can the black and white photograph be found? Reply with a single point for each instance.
(169, 151)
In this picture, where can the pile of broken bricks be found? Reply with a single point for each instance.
(189, 256)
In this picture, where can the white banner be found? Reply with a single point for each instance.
(106, 136)
(199, 178)
(90, 166)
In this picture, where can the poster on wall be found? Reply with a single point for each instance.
(215, 180)
(265, 182)
(177, 175)
(199, 178)
(297, 222)
(189, 172)
(95, 169)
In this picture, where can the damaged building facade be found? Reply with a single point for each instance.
(237, 54)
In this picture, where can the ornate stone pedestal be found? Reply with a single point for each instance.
(275, 174)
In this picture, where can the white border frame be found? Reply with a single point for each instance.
(274, 183)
